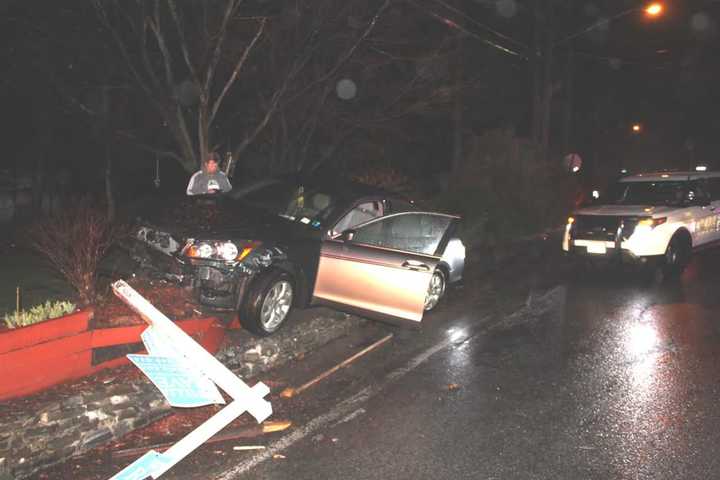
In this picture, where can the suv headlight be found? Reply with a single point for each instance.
(218, 250)
(651, 222)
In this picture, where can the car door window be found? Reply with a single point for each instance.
(362, 213)
(412, 232)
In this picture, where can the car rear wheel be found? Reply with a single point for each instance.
(436, 290)
(268, 304)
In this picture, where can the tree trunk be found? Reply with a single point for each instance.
(38, 184)
(109, 196)
(535, 72)
(203, 130)
(547, 93)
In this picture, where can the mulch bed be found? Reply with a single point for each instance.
(175, 302)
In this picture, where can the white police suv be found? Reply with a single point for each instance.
(649, 218)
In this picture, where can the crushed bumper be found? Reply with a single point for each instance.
(218, 286)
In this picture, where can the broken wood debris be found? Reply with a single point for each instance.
(232, 434)
(291, 392)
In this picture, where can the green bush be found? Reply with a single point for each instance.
(38, 313)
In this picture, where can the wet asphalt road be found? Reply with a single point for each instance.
(598, 376)
(606, 377)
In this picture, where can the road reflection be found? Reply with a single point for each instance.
(643, 356)
(641, 342)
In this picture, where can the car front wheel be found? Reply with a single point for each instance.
(436, 290)
(268, 304)
(677, 257)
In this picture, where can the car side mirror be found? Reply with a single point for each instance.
(348, 235)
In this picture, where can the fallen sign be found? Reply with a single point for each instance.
(187, 375)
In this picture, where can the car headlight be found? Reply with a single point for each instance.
(205, 250)
(651, 222)
(218, 250)
(228, 251)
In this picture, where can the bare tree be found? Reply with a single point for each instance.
(173, 53)
(187, 58)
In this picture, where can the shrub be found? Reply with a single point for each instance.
(503, 193)
(38, 313)
(74, 241)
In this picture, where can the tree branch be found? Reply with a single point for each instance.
(212, 66)
(167, 60)
(183, 41)
(148, 148)
(236, 70)
(102, 16)
(369, 28)
(144, 47)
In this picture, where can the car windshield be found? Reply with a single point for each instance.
(290, 200)
(647, 193)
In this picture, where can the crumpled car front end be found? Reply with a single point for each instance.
(156, 254)
(221, 270)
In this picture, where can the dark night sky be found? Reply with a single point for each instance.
(662, 74)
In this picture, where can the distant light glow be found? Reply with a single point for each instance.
(654, 9)
(636, 128)
(623, 171)
(346, 89)
(701, 168)
(700, 22)
(575, 169)
(595, 194)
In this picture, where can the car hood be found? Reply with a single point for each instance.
(625, 210)
(219, 218)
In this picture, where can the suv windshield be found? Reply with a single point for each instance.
(289, 200)
(647, 193)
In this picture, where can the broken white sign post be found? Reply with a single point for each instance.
(172, 352)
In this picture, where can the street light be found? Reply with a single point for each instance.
(652, 10)
(637, 128)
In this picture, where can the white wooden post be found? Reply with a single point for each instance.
(245, 398)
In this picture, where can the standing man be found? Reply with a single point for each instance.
(209, 179)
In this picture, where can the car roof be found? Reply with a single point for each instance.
(668, 176)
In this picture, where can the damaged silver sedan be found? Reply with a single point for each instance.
(289, 242)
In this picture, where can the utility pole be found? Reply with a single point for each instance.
(458, 153)
(568, 113)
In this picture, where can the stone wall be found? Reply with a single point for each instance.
(45, 429)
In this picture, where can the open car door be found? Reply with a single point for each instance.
(382, 269)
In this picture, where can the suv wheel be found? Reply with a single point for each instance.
(268, 304)
(677, 256)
